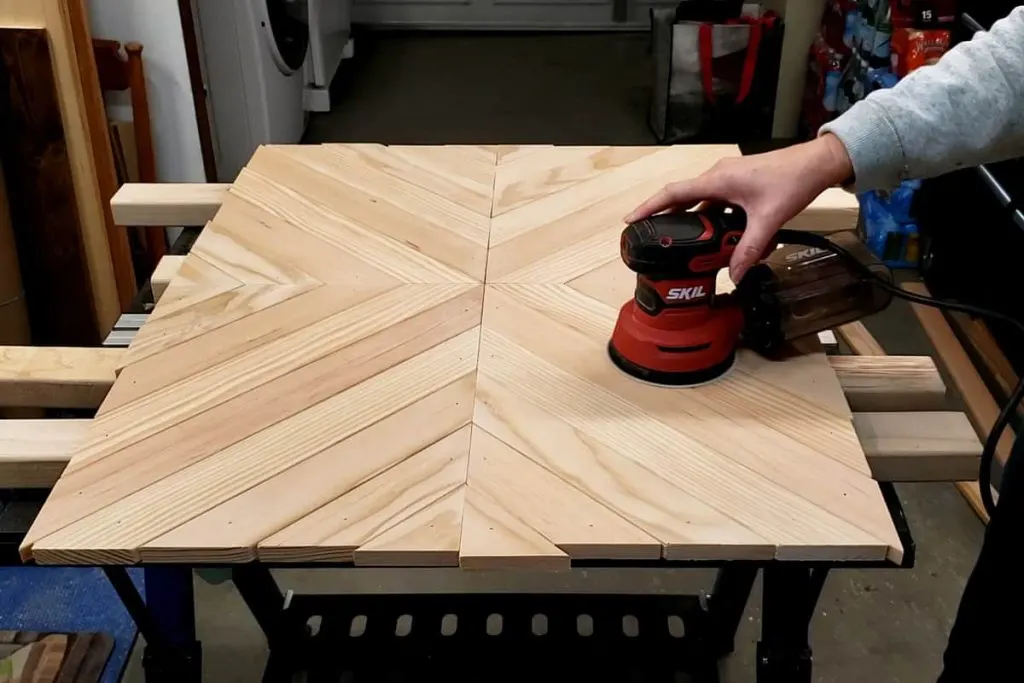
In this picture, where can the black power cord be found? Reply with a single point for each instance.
(808, 239)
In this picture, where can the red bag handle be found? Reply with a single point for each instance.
(706, 48)
(705, 37)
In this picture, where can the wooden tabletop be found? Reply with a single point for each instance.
(396, 356)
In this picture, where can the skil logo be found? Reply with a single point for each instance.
(807, 253)
(686, 293)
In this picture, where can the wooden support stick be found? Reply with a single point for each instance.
(899, 447)
(56, 377)
(929, 446)
(165, 271)
(167, 203)
(34, 453)
(196, 203)
(917, 446)
(890, 383)
(860, 340)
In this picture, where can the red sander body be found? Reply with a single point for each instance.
(677, 331)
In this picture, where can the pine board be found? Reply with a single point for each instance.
(62, 21)
(396, 356)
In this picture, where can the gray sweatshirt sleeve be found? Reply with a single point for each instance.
(965, 110)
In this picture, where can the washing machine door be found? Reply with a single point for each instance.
(287, 34)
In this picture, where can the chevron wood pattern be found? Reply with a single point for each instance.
(395, 356)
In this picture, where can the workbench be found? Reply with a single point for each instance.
(396, 357)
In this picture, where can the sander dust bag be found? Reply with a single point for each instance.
(714, 79)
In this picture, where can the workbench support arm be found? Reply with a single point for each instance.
(727, 603)
(790, 594)
(166, 621)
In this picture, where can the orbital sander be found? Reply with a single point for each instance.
(678, 331)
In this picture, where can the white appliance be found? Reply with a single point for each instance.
(258, 59)
(330, 42)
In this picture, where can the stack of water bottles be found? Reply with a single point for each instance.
(863, 46)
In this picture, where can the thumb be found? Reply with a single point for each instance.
(751, 248)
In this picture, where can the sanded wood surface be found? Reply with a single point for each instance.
(396, 356)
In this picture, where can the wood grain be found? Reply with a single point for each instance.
(159, 204)
(981, 407)
(859, 339)
(44, 212)
(56, 377)
(396, 356)
(100, 148)
(33, 453)
(164, 272)
(929, 446)
(63, 31)
(890, 383)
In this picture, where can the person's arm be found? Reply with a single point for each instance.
(965, 110)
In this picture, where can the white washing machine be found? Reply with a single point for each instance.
(257, 63)
(330, 42)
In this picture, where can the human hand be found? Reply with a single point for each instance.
(771, 188)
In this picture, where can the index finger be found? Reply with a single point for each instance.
(681, 195)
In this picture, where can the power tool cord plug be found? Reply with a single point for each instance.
(988, 453)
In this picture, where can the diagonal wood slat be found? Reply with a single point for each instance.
(395, 356)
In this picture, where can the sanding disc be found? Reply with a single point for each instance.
(672, 380)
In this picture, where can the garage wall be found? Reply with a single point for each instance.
(156, 24)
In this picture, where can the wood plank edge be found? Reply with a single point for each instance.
(163, 204)
(67, 377)
(907, 388)
(164, 272)
(958, 460)
(972, 494)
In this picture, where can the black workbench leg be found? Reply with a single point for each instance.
(790, 594)
(726, 605)
(166, 619)
(284, 635)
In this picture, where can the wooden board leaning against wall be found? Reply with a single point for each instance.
(77, 94)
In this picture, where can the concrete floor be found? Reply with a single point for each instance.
(871, 625)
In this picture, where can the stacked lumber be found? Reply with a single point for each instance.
(59, 173)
